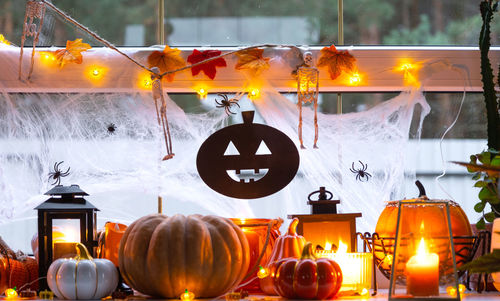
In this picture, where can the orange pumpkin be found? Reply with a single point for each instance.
(17, 269)
(163, 256)
(288, 245)
(432, 220)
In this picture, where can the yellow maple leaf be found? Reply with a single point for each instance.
(72, 52)
(252, 60)
(336, 61)
(167, 60)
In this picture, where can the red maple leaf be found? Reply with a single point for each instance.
(209, 67)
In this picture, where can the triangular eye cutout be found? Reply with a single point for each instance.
(231, 150)
(263, 149)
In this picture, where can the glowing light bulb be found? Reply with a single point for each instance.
(3, 40)
(187, 296)
(355, 79)
(254, 93)
(47, 58)
(461, 288)
(202, 93)
(406, 67)
(145, 81)
(364, 292)
(95, 72)
(451, 291)
(11, 293)
(263, 272)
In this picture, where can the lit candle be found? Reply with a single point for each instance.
(422, 273)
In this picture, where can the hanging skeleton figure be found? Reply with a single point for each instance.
(34, 10)
(307, 91)
(161, 114)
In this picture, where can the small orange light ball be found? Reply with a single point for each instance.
(187, 296)
(355, 79)
(263, 272)
(202, 93)
(451, 291)
(254, 93)
(10, 293)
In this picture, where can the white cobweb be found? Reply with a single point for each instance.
(124, 174)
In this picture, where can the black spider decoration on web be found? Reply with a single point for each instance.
(57, 174)
(361, 173)
(226, 103)
(111, 128)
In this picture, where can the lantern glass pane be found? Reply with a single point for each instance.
(67, 230)
(424, 259)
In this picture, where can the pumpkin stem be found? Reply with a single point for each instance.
(292, 229)
(247, 116)
(307, 252)
(82, 252)
(421, 189)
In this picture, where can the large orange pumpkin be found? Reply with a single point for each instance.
(432, 219)
(163, 256)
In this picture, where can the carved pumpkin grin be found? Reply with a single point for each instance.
(247, 175)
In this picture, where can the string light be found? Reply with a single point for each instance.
(3, 40)
(187, 296)
(354, 79)
(452, 291)
(47, 58)
(410, 72)
(145, 81)
(202, 93)
(95, 73)
(263, 272)
(11, 293)
(254, 93)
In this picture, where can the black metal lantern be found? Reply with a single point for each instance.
(66, 203)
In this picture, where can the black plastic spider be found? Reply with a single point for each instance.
(57, 174)
(226, 103)
(111, 128)
(361, 173)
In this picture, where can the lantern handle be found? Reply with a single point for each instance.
(421, 189)
(323, 194)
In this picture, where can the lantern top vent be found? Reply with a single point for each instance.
(66, 191)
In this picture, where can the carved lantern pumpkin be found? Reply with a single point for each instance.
(247, 160)
(288, 245)
(308, 277)
(165, 256)
(424, 218)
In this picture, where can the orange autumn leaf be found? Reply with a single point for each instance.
(252, 60)
(167, 60)
(336, 61)
(72, 52)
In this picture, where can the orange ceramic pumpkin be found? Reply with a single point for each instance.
(288, 245)
(432, 219)
(163, 256)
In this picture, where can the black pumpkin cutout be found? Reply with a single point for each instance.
(247, 160)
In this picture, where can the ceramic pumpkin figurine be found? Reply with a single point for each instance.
(247, 160)
(163, 256)
(287, 245)
(82, 277)
(308, 277)
(432, 220)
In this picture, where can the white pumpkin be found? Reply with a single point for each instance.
(82, 277)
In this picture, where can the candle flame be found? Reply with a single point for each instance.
(328, 246)
(70, 235)
(342, 247)
(422, 248)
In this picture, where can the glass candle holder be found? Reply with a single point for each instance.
(424, 264)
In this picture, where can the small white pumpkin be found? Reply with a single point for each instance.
(82, 277)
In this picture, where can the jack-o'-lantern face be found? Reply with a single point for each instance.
(247, 160)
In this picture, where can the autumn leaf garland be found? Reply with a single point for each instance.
(209, 68)
(72, 52)
(166, 60)
(336, 61)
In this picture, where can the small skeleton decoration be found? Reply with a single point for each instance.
(307, 91)
(34, 10)
(161, 114)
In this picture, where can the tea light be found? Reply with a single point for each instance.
(422, 273)
(356, 268)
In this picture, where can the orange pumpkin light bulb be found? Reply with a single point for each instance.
(187, 296)
(11, 293)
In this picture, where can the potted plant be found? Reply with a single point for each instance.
(485, 165)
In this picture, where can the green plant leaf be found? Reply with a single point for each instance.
(480, 184)
(481, 224)
(479, 207)
(488, 263)
(494, 201)
(485, 157)
(486, 194)
(490, 216)
(476, 176)
(473, 159)
(495, 161)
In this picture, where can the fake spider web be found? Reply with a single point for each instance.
(123, 172)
